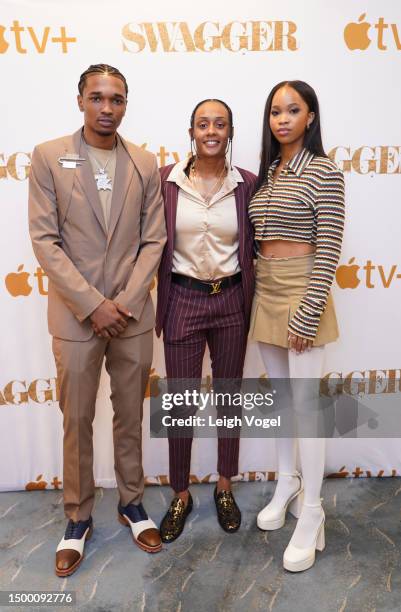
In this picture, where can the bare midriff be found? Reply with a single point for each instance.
(285, 248)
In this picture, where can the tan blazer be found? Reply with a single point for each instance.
(83, 261)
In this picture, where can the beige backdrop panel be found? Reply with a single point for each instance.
(173, 55)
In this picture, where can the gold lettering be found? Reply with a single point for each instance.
(215, 288)
(377, 382)
(163, 155)
(40, 47)
(369, 269)
(40, 395)
(357, 163)
(183, 29)
(40, 274)
(16, 169)
(394, 377)
(331, 384)
(391, 382)
(15, 397)
(256, 36)
(133, 37)
(389, 160)
(17, 29)
(235, 36)
(380, 27)
(280, 35)
(269, 33)
(209, 43)
(336, 156)
(165, 37)
(349, 383)
(396, 35)
(3, 167)
(228, 38)
(387, 280)
(152, 39)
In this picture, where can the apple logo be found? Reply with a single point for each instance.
(346, 276)
(39, 485)
(17, 283)
(356, 34)
(3, 43)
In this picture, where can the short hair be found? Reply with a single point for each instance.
(100, 69)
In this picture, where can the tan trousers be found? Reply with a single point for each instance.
(79, 365)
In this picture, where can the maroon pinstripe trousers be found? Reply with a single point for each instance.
(194, 318)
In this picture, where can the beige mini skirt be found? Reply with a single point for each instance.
(281, 283)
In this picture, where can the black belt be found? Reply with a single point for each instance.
(210, 287)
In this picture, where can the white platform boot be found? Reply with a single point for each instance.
(273, 515)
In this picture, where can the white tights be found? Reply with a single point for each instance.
(282, 363)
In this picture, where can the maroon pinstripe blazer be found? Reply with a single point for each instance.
(243, 193)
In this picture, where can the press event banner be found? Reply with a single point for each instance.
(173, 55)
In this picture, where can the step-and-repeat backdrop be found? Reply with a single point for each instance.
(173, 55)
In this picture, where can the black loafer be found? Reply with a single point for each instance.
(173, 522)
(228, 513)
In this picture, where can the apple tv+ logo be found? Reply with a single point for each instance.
(17, 283)
(356, 34)
(348, 276)
(25, 39)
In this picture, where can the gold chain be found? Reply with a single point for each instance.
(215, 187)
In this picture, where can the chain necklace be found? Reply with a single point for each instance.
(103, 180)
(215, 187)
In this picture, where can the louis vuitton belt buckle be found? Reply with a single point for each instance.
(215, 288)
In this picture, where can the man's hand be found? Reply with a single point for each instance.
(109, 319)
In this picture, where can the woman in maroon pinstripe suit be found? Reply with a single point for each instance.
(205, 291)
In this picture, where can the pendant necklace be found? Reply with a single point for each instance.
(215, 187)
(103, 181)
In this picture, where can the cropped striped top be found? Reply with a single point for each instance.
(305, 204)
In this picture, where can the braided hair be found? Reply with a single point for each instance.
(192, 124)
(228, 109)
(100, 69)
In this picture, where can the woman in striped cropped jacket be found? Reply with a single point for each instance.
(298, 217)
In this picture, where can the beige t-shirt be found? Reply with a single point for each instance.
(101, 157)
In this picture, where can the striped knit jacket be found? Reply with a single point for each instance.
(305, 204)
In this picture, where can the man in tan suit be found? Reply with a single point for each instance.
(97, 227)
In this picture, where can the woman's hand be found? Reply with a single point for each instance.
(298, 344)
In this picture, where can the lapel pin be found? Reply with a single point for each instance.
(71, 160)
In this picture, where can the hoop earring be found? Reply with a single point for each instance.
(194, 152)
(231, 153)
(229, 150)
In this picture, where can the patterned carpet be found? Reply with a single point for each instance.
(206, 569)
